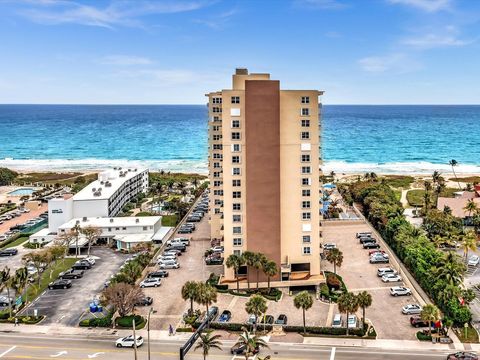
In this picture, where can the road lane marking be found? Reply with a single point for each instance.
(7, 351)
(60, 353)
(332, 354)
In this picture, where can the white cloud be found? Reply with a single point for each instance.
(448, 37)
(125, 60)
(124, 13)
(397, 62)
(321, 4)
(425, 5)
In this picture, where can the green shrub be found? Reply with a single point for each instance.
(324, 291)
(144, 213)
(127, 321)
(184, 329)
(423, 337)
(235, 293)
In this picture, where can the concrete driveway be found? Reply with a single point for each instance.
(65, 307)
(358, 275)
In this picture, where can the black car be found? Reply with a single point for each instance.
(184, 230)
(158, 274)
(8, 252)
(364, 240)
(281, 320)
(214, 261)
(240, 350)
(180, 247)
(371, 245)
(82, 265)
(71, 274)
(60, 284)
(212, 313)
(194, 218)
(416, 321)
(146, 301)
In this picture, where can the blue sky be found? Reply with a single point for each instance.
(173, 52)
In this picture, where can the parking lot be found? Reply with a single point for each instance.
(358, 275)
(65, 307)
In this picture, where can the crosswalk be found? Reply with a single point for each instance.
(471, 270)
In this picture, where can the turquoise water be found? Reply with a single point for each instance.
(21, 192)
(355, 138)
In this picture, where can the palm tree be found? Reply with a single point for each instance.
(250, 343)
(449, 270)
(236, 262)
(258, 261)
(249, 258)
(207, 294)
(454, 163)
(469, 242)
(303, 300)
(132, 271)
(190, 292)
(471, 207)
(364, 300)
(208, 342)
(19, 281)
(91, 233)
(256, 305)
(431, 314)
(5, 283)
(270, 269)
(335, 257)
(348, 304)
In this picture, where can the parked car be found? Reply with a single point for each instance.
(377, 251)
(179, 240)
(352, 321)
(8, 252)
(146, 301)
(128, 341)
(214, 261)
(172, 252)
(217, 249)
(371, 245)
(82, 265)
(184, 230)
(281, 320)
(193, 218)
(167, 257)
(337, 321)
(267, 320)
(391, 278)
(151, 282)
(180, 247)
(400, 291)
(91, 260)
(376, 259)
(363, 240)
(411, 309)
(385, 271)
(473, 260)
(60, 284)
(462, 355)
(212, 313)
(158, 274)
(416, 321)
(225, 316)
(71, 274)
(363, 234)
(169, 265)
(240, 349)
(5, 301)
(252, 319)
(329, 246)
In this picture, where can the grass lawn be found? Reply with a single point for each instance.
(415, 197)
(472, 335)
(398, 194)
(17, 242)
(399, 181)
(169, 220)
(468, 179)
(34, 290)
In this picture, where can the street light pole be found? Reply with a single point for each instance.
(134, 340)
(148, 330)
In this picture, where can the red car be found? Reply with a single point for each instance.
(370, 253)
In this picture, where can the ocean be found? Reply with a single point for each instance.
(355, 139)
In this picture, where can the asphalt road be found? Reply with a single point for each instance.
(42, 347)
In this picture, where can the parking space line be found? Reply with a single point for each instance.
(7, 351)
(332, 354)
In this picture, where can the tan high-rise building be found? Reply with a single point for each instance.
(264, 164)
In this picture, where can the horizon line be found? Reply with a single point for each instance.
(151, 104)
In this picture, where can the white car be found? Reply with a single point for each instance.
(400, 291)
(391, 278)
(219, 249)
(411, 309)
(127, 341)
(168, 265)
(473, 260)
(90, 260)
(150, 282)
(352, 321)
(164, 257)
(329, 246)
(385, 271)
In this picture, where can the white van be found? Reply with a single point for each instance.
(337, 321)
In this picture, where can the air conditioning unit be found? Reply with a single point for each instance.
(84, 219)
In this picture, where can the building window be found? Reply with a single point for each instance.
(237, 241)
(237, 252)
(236, 159)
(305, 192)
(236, 171)
(236, 182)
(307, 250)
(216, 118)
(217, 100)
(237, 207)
(235, 99)
(218, 192)
(305, 112)
(117, 229)
(305, 158)
(217, 137)
(305, 204)
(306, 170)
(216, 165)
(237, 218)
(305, 135)
(306, 181)
(217, 183)
(217, 211)
(216, 109)
(145, 228)
(216, 174)
(235, 136)
(109, 229)
(237, 194)
(236, 124)
(305, 99)
(217, 156)
(237, 229)
(306, 216)
(216, 128)
(305, 123)
(306, 238)
(235, 147)
(217, 146)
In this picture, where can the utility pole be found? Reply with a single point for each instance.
(148, 331)
(134, 340)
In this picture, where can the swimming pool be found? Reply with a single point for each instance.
(329, 186)
(21, 192)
